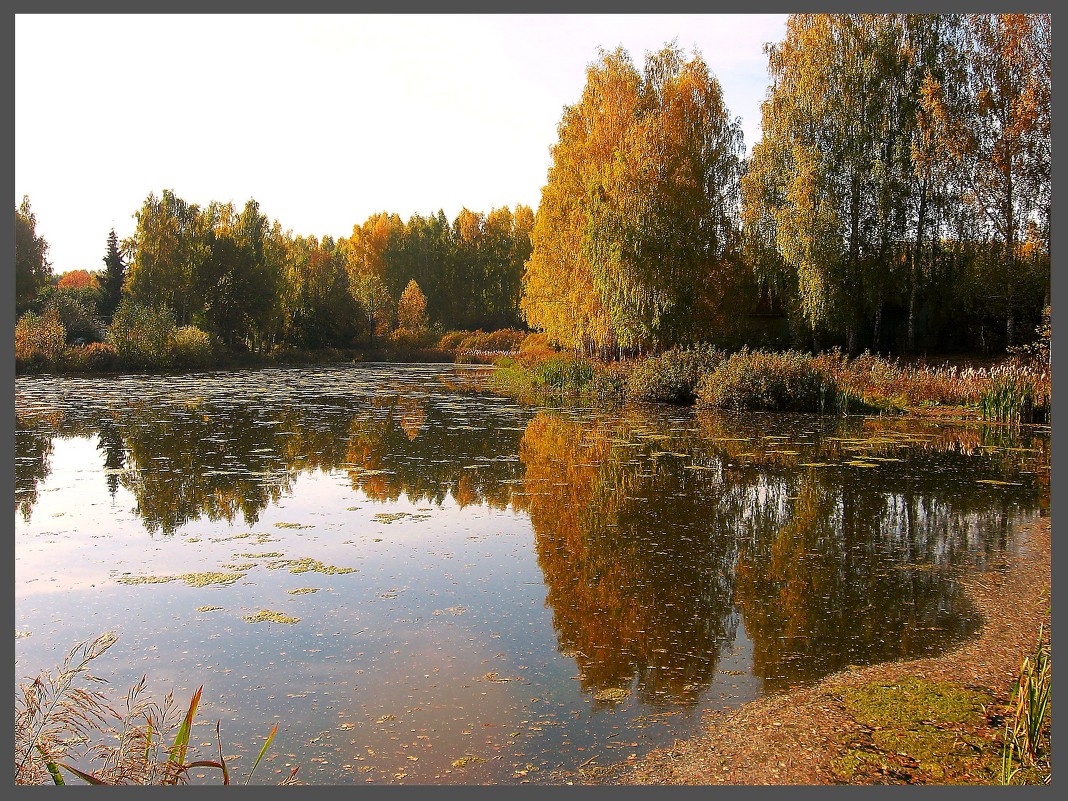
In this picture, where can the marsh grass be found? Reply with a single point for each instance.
(59, 722)
(1026, 733)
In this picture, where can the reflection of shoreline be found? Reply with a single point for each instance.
(828, 571)
(806, 728)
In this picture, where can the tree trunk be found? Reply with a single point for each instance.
(917, 251)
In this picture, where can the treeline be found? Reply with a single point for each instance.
(222, 275)
(899, 198)
(898, 201)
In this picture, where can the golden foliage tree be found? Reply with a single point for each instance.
(637, 216)
(411, 308)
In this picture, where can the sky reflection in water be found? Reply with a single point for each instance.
(481, 591)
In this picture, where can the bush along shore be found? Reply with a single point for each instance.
(1015, 390)
(147, 340)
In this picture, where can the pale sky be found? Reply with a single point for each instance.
(323, 119)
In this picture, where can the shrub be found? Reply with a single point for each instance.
(503, 339)
(76, 308)
(39, 340)
(411, 339)
(451, 340)
(535, 347)
(760, 380)
(96, 357)
(192, 347)
(673, 376)
(143, 335)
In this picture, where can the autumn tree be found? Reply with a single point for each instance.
(411, 309)
(637, 224)
(32, 269)
(167, 246)
(823, 181)
(990, 123)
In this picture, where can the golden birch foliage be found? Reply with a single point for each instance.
(411, 308)
(638, 212)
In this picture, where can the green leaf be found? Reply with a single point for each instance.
(181, 740)
(263, 751)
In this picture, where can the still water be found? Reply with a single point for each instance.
(421, 582)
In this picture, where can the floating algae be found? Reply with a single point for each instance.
(192, 579)
(267, 616)
(205, 579)
(303, 590)
(145, 579)
(309, 565)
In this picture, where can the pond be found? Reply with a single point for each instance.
(423, 583)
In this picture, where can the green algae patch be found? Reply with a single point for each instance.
(192, 579)
(210, 578)
(208, 608)
(611, 694)
(303, 590)
(268, 616)
(309, 565)
(918, 731)
(389, 517)
(145, 579)
(244, 567)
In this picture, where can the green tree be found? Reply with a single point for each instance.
(113, 279)
(33, 272)
(168, 246)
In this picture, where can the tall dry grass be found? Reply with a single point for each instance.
(64, 729)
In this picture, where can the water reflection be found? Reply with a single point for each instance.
(662, 536)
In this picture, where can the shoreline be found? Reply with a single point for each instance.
(810, 730)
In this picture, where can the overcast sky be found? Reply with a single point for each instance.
(324, 120)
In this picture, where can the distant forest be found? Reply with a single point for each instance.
(898, 201)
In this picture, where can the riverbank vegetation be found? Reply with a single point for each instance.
(1012, 390)
(67, 718)
(898, 202)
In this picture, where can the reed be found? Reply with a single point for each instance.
(1026, 732)
(58, 722)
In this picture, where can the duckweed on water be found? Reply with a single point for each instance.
(145, 579)
(205, 579)
(208, 608)
(389, 517)
(309, 565)
(292, 525)
(303, 590)
(268, 616)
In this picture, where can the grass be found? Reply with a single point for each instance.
(1026, 741)
(58, 721)
(919, 731)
